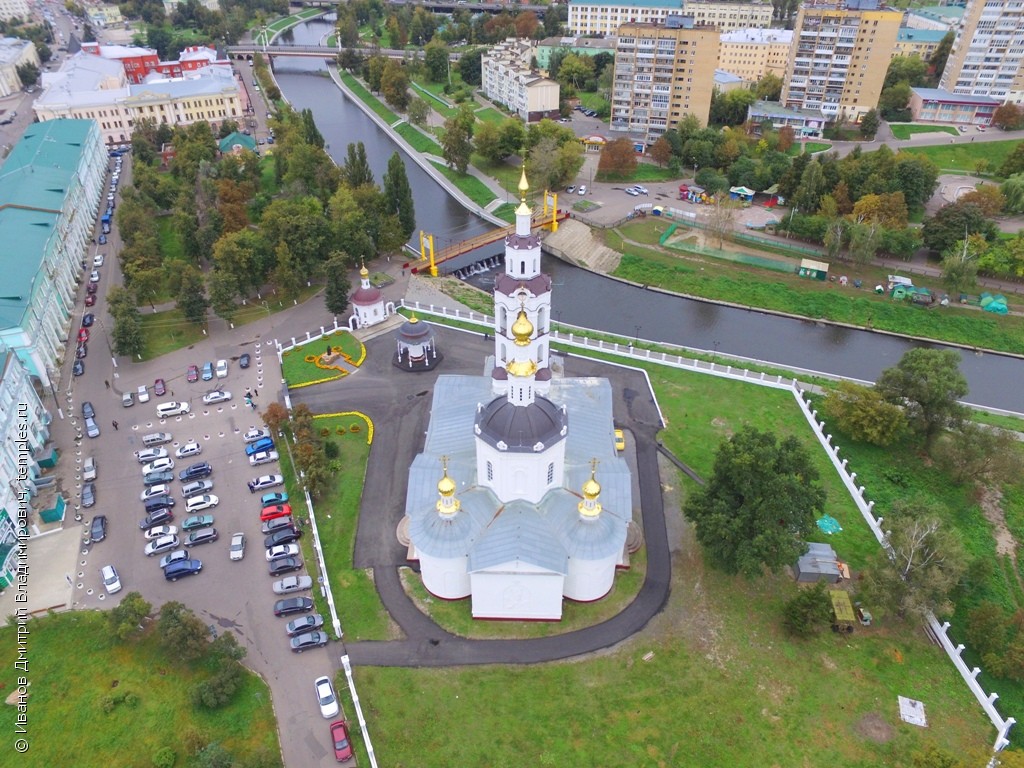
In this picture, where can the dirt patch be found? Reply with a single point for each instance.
(873, 727)
(992, 508)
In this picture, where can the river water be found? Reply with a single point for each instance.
(593, 301)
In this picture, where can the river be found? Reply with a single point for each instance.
(624, 309)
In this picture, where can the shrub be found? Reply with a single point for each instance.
(331, 449)
(164, 758)
(219, 689)
(808, 612)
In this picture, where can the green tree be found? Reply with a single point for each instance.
(356, 170)
(1009, 117)
(301, 223)
(1014, 163)
(337, 288)
(513, 136)
(906, 69)
(960, 264)
(456, 144)
(435, 57)
(812, 188)
(575, 70)
(928, 384)
(126, 618)
(1013, 193)
(222, 288)
(191, 296)
(863, 414)
(398, 195)
(759, 504)
(617, 160)
(394, 85)
(892, 103)
(980, 453)
(730, 108)
(769, 87)
(922, 566)
(470, 67)
(954, 221)
(127, 335)
(869, 124)
(916, 176)
(418, 111)
(487, 142)
(806, 614)
(941, 53)
(181, 632)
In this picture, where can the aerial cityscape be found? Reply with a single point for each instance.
(637, 383)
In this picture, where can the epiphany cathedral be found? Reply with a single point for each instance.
(519, 499)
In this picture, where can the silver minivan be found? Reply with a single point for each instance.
(196, 487)
(156, 438)
(150, 454)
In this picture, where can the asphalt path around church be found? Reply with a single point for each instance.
(399, 404)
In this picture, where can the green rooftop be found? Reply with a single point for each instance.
(237, 139)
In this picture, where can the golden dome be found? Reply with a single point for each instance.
(414, 319)
(590, 507)
(446, 486)
(524, 185)
(521, 368)
(522, 329)
(363, 271)
(591, 489)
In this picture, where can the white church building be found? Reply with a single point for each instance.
(368, 305)
(519, 499)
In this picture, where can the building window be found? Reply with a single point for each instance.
(490, 471)
(551, 473)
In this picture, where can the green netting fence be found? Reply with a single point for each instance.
(718, 253)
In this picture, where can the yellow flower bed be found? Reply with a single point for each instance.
(318, 381)
(354, 427)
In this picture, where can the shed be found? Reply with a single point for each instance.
(815, 269)
(820, 563)
(843, 617)
(741, 193)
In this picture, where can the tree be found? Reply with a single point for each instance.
(191, 296)
(418, 110)
(769, 87)
(940, 55)
(394, 85)
(661, 151)
(336, 292)
(869, 124)
(863, 414)
(952, 222)
(356, 170)
(487, 142)
(811, 189)
(617, 160)
(987, 197)
(730, 108)
(892, 103)
(1009, 117)
(126, 619)
(984, 454)
(575, 70)
(722, 218)
(456, 144)
(922, 566)
(906, 69)
(1013, 193)
(807, 613)
(220, 688)
(928, 384)
(1014, 163)
(181, 632)
(222, 289)
(435, 58)
(759, 504)
(960, 264)
(887, 210)
(470, 68)
(285, 275)
(398, 195)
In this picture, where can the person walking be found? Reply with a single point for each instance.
(115, 425)
(107, 383)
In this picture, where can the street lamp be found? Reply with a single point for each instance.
(789, 229)
(636, 334)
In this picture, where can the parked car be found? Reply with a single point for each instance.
(162, 544)
(292, 584)
(341, 742)
(77, 368)
(159, 465)
(127, 399)
(291, 605)
(94, 276)
(159, 388)
(282, 550)
(222, 369)
(192, 375)
(278, 510)
(175, 571)
(89, 495)
(191, 448)
(171, 408)
(631, 191)
(159, 517)
(91, 428)
(284, 565)
(582, 190)
(237, 549)
(88, 412)
(195, 488)
(147, 455)
(273, 498)
(282, 536)
(88, 319)
(303, 623)
(207, 374)
(570, 189)
(98, 529)
(326, 696)
(265, 481)
(173, 557)
(81, 351)
(256, 433)
(263, 457)
(244, 360)
(155, 490)
(195, 522)
(196, 471)
(83, 335)
(142, 395)
(157, 478)
(89, 469)
(111, 581)
(307, 641)
(90, 299)
(263, 444)
(153, 503)
(102, 240)
(272, 526)
(620, 440)
(217, 396)
(160, 530)
(204, 536)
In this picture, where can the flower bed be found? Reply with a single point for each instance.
(353, 427)
(303, 368)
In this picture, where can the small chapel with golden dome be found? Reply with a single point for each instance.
(519, 501)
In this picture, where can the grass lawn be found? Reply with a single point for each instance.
(474, 298)
(268, 177)
(368, 98)
(810, 147)
(962, 157)
(643, 172)
(906, 130)
(595, 102)
(470, 186)
(506, 211)
(491, 115)
(164, 332)
(506, 174)
(75, 665)
(433, 94)
(297, 371)
(419, 141)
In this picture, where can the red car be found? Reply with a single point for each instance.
(83, 335)
(159, 388)
(193, 374)
(342, 746)
(275, 511)
(90, 299)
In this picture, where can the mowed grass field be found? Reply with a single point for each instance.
(963, 157)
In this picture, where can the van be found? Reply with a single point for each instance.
(171, 409)
(156, 438)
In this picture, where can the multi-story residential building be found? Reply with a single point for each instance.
(662, 72)
(729, 16)
(987, 58)
(934, 105)
(581, 46)
(604, 17)
(14, 53)
(95, 88)
(938, 17)
(839, 57)
(15, 9)
(506, 78)
(918, 42)
(27, 497)
(754, 53)
(50, 187)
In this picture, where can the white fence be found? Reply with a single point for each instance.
(310, 337)
(857, 492)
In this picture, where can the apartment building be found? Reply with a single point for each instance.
(506, 78)
(581, 46)
(753, 53)
(662, 72)
(14, 53)
(50, 187)
(988, 52)
(604, 17)
(918, 42)
(839, 57)
(15, 9)
(729, 16)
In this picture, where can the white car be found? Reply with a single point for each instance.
(199, 503)
(255, 434)
(263, 457)
(325, 695)
(161, 530)
(188, 449)
(147, 455)
(222, 369)
(143, 394)
(111, 581)
(94, 277)
(155, 490)
(582, 190)
(159, 465)
(97, 260)
(162, 544)
(89, 470)
(171, 408)
(282, 550)
(237, 549)
(265, 481)
(641, 189)
(290, 584)
(217, 396)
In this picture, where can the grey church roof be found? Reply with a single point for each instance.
(520, 428)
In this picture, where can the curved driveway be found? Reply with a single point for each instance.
(399, 405)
